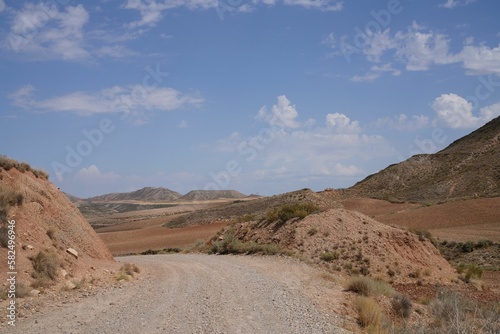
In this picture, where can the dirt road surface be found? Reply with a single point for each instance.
(194, 293)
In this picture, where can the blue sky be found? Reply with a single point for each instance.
(261, 96)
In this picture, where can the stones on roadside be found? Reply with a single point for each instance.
(34, 293)
(72, 252)
(70, 285)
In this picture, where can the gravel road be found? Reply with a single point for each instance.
(197, 293)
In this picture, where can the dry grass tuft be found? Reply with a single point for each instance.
(369, 313)
(45, 266)
(401, 305)
(366, 286)
(8, 163)
(127, 271)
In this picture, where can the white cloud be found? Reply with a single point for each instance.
(93, 172)
(350, 170)
(133, 100)
(403, 122)
(2, 5)
(282, 114)
(421, 50)
(375, 72)
(490, 112)
(416, 49)
(378, 43)
(332, 151)
(480, 59)
(325, 5)
(265, 2)
(340, 123)
(47, 33)
(152, 10)
(456, 112)
(455, 3)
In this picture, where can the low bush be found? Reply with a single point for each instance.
(127, 271)
(369, 313)
(329, 256)
(51, 233)
(423, 235)
(245, 218)
(130, 269)
(366, 286)
(470, 271)
(9, 197)
(8, 163)
(45, 266)
(170, 250)
(232, 245)
(401, 305)
(450, 308)
(288, 211)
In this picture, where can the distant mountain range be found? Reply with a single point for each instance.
(203, 195)
(468, 168)
(161, 194)
(151, 194)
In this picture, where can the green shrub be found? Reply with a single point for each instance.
(423, 235)
(245, 218)
(288, 211)
(232, 245)
(329, 256)
(471, 271)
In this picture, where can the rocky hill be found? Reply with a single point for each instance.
(350, 242)
(146, 194)
(205, 195)
(468, 168)
(257, 207)
(53, 241)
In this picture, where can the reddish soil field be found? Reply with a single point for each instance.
(156, 237)
(474, 219)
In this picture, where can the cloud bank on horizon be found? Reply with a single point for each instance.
(262, 96)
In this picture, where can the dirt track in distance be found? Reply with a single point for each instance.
(205, 294)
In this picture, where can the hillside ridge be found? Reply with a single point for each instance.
(468, 168)
(203, 195)
(143, 194)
